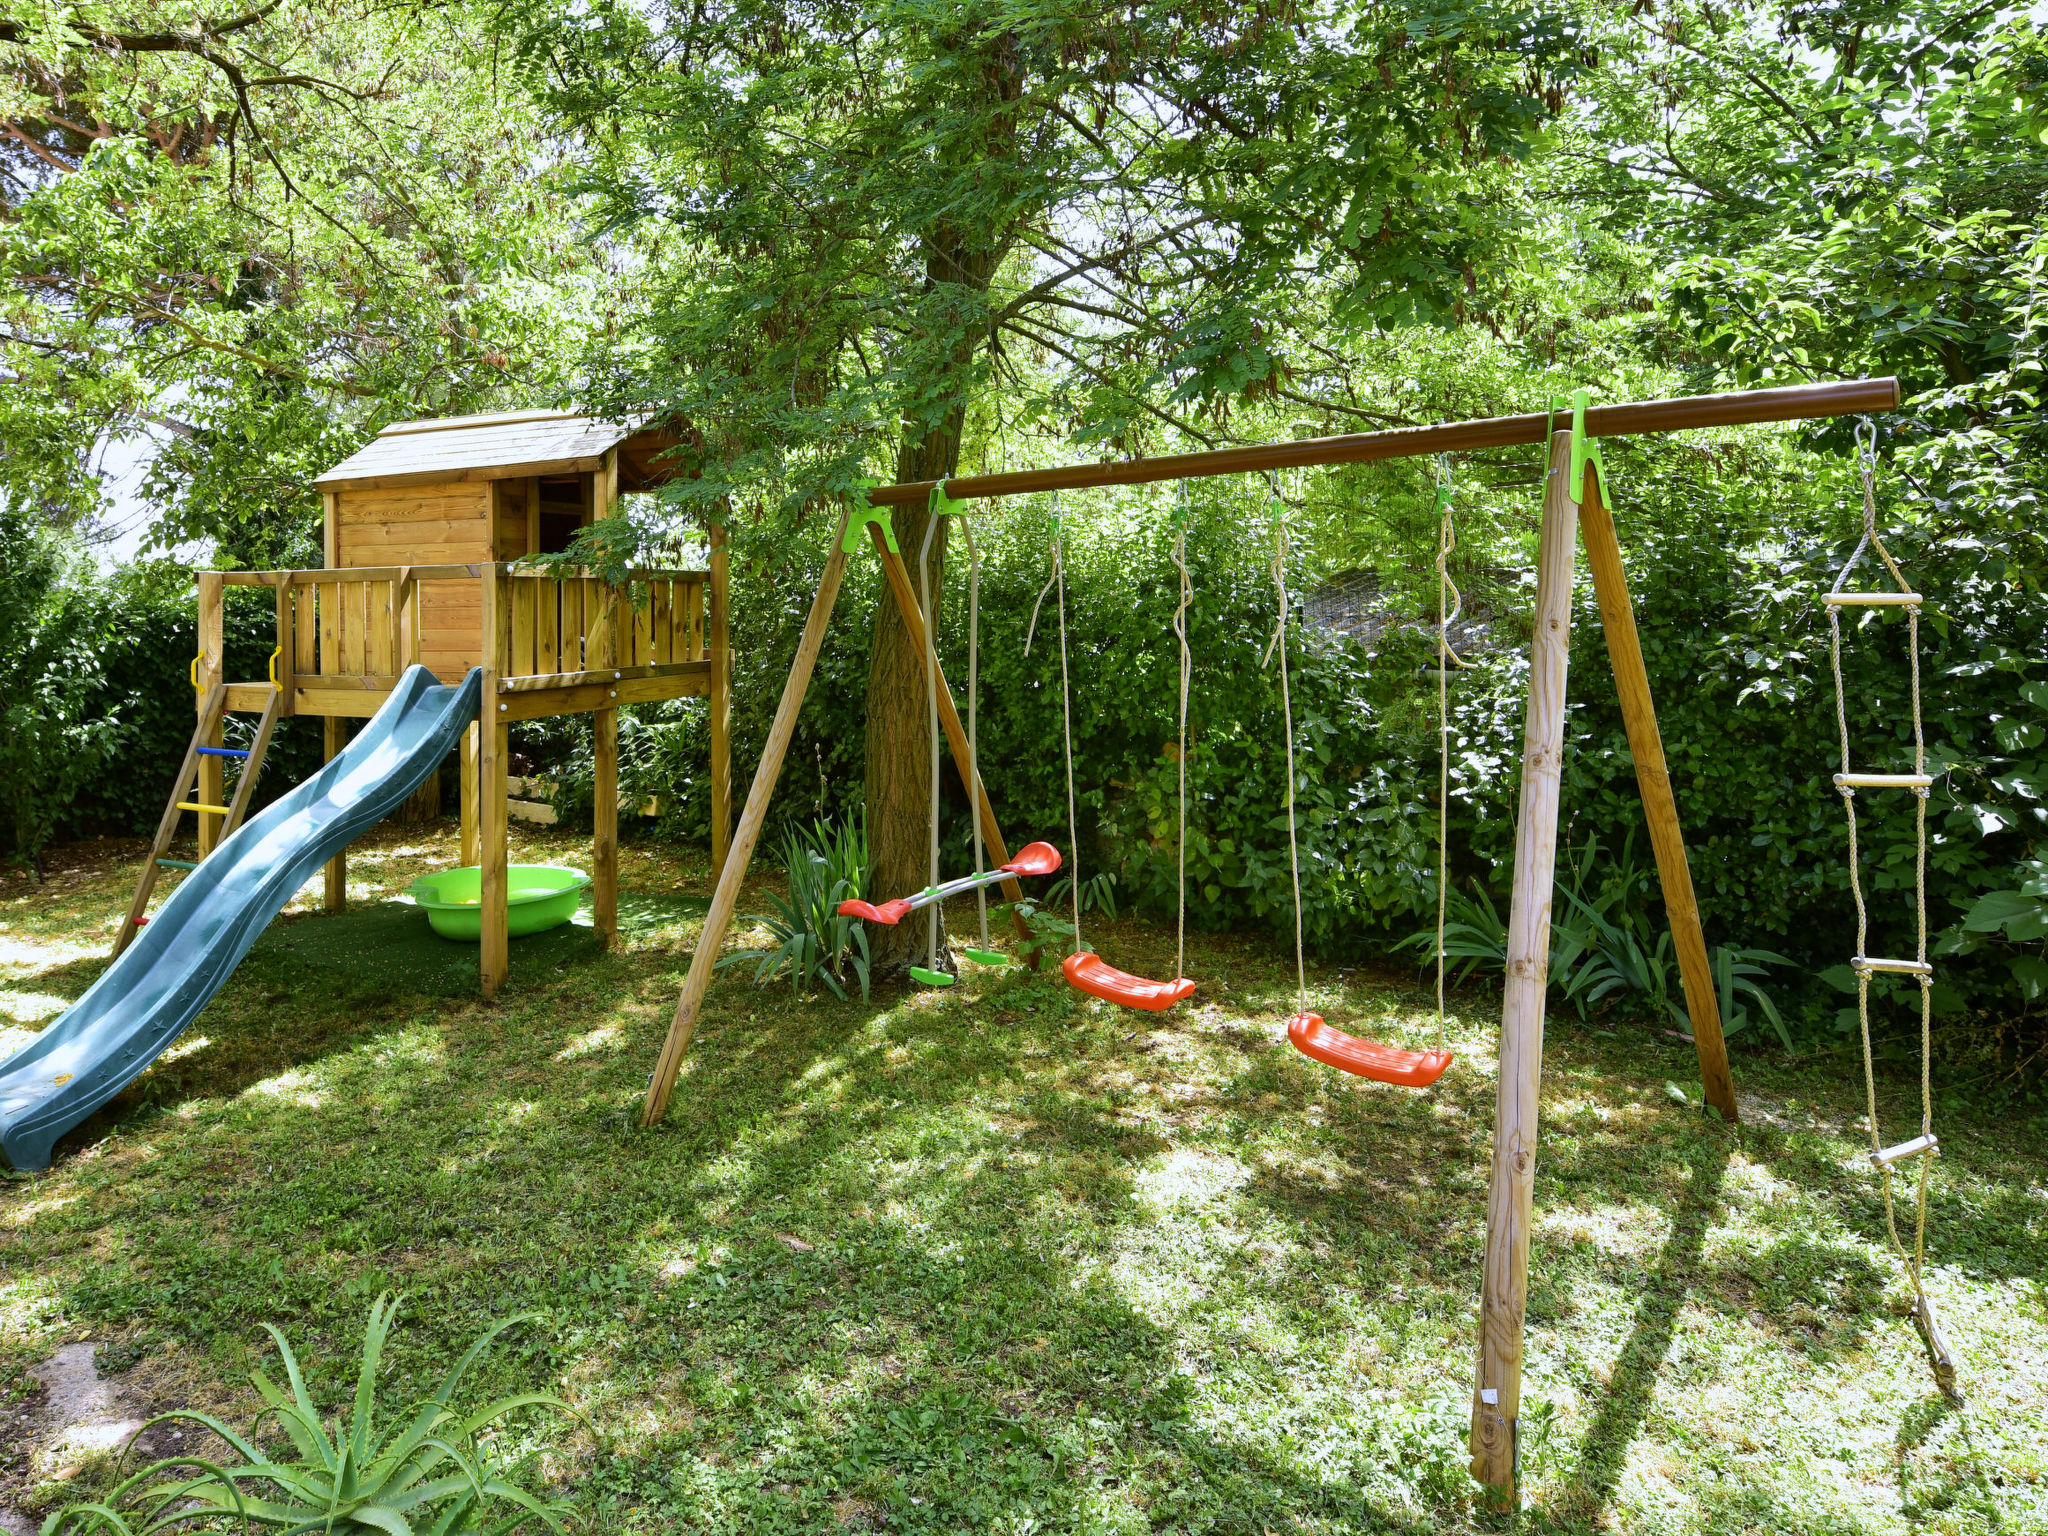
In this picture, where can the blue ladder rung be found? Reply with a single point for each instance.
(222, 752)
(177, 864)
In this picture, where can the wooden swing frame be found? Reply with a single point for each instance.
(1509, 1209)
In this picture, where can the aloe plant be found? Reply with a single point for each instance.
(825, 865)
(430, 1474)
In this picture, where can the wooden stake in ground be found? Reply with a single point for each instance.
(1504, 1293)
(1646, 746)
(725, 897)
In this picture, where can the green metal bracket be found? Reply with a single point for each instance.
(857, 524)
(1585, 450)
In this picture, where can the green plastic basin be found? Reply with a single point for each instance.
(541, 897)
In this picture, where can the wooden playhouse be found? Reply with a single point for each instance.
(422, 531)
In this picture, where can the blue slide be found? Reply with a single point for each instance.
(144, 1000)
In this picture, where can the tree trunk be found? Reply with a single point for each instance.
(898, 738)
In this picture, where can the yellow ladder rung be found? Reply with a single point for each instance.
(1883, 780)
(1902, 967)
(194, 805)
(1872, 599)
(1905, 1149)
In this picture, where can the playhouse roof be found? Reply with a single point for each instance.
(501, 446)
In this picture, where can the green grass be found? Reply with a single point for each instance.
(1003, 1258)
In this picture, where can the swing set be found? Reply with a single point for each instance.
(1574, 503)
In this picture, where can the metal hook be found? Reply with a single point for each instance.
(1866, 443)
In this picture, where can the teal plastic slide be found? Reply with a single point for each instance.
(144, 1000)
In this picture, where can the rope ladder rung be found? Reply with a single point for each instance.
(1873, 599)
(1884, 780)
(1894, 967)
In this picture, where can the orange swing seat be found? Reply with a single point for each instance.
(1088, 973)
(1365, 1058)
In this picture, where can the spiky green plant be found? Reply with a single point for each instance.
(825, 865)
(434, 1474)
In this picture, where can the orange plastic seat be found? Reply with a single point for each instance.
(1087, 973)
(1365, 1058)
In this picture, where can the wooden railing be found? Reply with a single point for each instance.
(360, 627)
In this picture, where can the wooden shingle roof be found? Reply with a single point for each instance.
(500, 446)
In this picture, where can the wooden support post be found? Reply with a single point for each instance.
(468, 775)
(956, 735)
(718, 650)
(494, 952)
(1497, 1394)
(210, 673)
(287, 643)
(725, 897)
(333, 737)
(604, 846)
(1653, 781)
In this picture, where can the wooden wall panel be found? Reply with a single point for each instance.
(446, 524)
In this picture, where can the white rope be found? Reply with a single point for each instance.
(1180, 630)
(1449, 604)
(1279, 642)
(1915, 1258)
(931, 696)
(973, 716)
(1057, 583)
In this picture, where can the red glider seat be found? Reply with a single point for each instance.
(1365, 1058)
(891, 912)
(1088, 973)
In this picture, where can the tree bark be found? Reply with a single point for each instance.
(898, 734)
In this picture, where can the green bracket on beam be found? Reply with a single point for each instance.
(1585, 450)
(857, 524)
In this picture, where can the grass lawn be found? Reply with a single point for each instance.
(1004, 1258)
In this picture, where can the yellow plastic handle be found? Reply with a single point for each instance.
(274, 683)
(195, 671)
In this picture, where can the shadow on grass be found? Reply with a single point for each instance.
(1632, 1386)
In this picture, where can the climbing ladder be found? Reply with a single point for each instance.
(185, 795)
(1924, 1147)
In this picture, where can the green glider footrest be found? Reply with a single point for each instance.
(987, 957)
(932, 978)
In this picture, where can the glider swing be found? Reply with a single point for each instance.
(1032, 858)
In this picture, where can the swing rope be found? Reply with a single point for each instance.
(1847, 782)
(973, 713)
(1057, 584)
(1449, 604)
(933, 517)
(1180, 630)
(1279, 643)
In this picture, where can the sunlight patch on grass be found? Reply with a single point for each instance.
(296, 1086)
(606, 1039)
(36, 1008)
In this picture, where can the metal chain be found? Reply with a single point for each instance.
(1913, 1259)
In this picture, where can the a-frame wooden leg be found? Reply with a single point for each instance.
(949, 720)
(1504, 1293)
(725, 896)
(211, 708)
(334, 737)
(1667, 841)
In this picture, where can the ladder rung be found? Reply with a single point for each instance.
(1904, 1150)
(1902, 967)
(222, 752)
(194, 805)
(1872, 599)
(1883, 780)
(177, 864)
